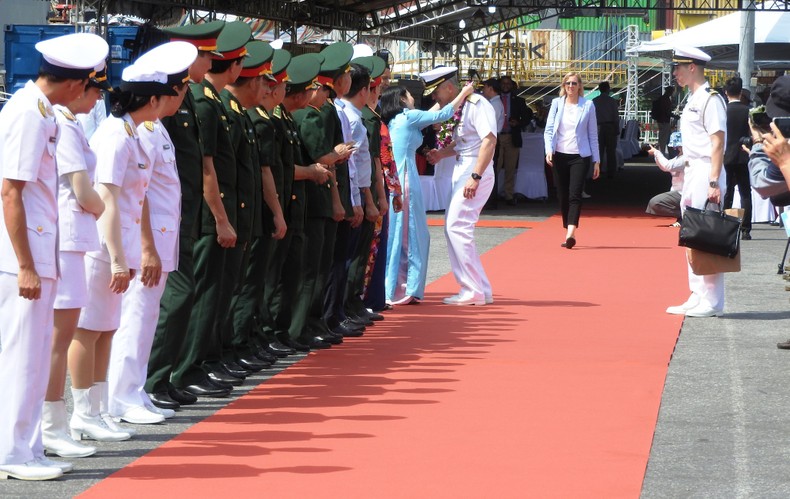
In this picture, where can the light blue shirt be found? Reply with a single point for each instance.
(359, 134)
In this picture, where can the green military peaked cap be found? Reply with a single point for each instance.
(302, 72)
(336, 58)
(233, 39)
(203, 36)
(372, 63)
(280, 63)
(258, 61)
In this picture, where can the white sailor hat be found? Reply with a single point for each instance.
(172, 58)
(437, 76)
(689, 55)
(76, 56)
(141, 79)
(276, 44)
(361, 50)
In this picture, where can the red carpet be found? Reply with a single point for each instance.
(553, 391)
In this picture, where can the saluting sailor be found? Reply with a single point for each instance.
(474, 142)
(28, 246)
(703, 125)
(123, 172)
(79, 205)
(131, 345)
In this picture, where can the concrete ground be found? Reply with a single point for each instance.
(724, 407)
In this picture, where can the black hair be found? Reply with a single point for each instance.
(733, 86)
(391, 102)
(242, 80)
(126, 102)
(604, 87)
(669, 90)
(221, 65)
(360, 78)
(495, 85)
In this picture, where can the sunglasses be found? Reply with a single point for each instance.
(571, 83)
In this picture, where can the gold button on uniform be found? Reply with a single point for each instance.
(293, 196)
(186, 125)
(163, 229)
(137, 221)
(140, 202)
(243, 205)
(40, 228)
(222, 195)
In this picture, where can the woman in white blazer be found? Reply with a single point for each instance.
(571, 140)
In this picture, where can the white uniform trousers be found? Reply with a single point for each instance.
(708, 288)
(459, 230)
(26, 339)
(131, 345)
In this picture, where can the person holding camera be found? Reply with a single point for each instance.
(735, 159)
(667, 204)
(703, 126)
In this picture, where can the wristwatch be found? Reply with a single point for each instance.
(475, 176)
(714, 184)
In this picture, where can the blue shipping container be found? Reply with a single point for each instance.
(22, 60)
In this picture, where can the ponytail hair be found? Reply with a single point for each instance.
(123, 102)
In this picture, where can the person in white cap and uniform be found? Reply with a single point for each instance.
(79, 205)
(28, 246)
(703, 125)
(474, 143)
(123, 172)
(131, 345)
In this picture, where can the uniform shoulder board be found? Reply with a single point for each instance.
(713, 91)
(262, 112)
(42, 108)
(208, 93)
(67, 114)
(128, 129)
(310, 105)
(235, 107)
(149, 125)
(278, 113)
(474, 98)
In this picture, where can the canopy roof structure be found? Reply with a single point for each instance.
(426, 20)
(720, 38)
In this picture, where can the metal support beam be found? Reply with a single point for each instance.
(632, 88)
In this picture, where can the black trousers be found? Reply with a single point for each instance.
(570, 172)
(335, 293)
(608, 133)
(739, 175)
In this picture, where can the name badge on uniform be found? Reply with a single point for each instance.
(183, 111)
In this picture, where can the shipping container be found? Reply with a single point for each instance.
(609, 22)
(21, 12)
(123, 50)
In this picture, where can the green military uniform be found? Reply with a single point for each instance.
(284, 281)
(209, 256)
(359, 260)
(184, 128)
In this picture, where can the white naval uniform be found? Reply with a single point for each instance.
(131, 345)
(696, 130)
(477, 121)
(28, 139)
(77, 227)
(120, 161)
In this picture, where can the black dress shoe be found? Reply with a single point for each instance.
(316, 343)
(362, 321)
(163, 401)
(206, 389)
(219, 384)
(746, 234)
(219, 376)
(331, 334)
(332, 339)
(349, 324)
(373, 316)
(253, 365)
(180, 396)
(278, 349)
(232, 369)
(264, 356)
(346, 332)
(297, 345)
(569, 243)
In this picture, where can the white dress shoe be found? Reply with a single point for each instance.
(692, 302)
(458, 300)
(87, 423)
(29, 471)
(111, 424)
(141, 415)
(489, 299)
(49, 463)
(167, 413)
(703, 310)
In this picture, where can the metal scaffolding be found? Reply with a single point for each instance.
(632, 88)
